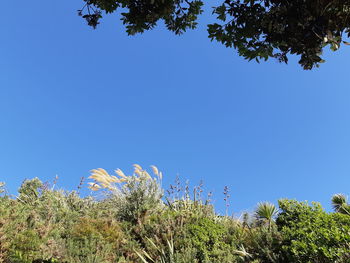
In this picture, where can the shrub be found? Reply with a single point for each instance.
(311, 235)
(44, 225)
(207, 237)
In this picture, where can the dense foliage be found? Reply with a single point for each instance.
(132, 219)
(257, 29)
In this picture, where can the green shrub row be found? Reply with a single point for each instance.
(130, 219)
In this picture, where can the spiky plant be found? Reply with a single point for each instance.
(162, 255)
(242, 252)
(340, 204)
(266, 212)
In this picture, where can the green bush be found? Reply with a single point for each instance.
(310, 234)
(207, 237)
(43, 225)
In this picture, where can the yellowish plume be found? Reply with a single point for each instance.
(94, 186)
(120, 173)
(137, 167)
(102, 180)
(155, 170)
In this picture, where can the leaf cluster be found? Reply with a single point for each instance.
(257, 29)
(276, 28)
(141, 15)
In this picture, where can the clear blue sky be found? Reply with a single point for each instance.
(73, 99)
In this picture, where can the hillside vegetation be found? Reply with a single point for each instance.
(132, 219)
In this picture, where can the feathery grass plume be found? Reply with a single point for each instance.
(100, 171)
(146, 175)
(100, 175)
(142, 173)
(94, 186)
(120, 173)
(155, 170)
(137, 167)
(115, 179)
(103, 180)
(138, 172)
(2, 185)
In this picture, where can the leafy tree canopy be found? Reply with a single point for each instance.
(257, 29)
